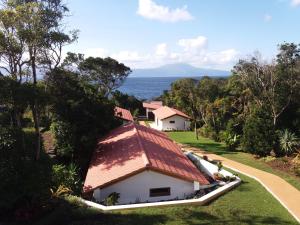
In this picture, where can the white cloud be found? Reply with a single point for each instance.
(193, 44)
(194, 51)
(151, 10)
(268, 17)
(127, 56)
(223, 57)
(161, 49)
(295, 3)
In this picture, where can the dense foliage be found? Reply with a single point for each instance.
(40, 93)
(251, 108)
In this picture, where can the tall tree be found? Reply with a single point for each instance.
(32, 35)
(184, 96)
(106, 73)
(271, 85)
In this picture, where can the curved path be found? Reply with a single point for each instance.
(285, 193)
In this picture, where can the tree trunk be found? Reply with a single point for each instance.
(196, 132)
(35, 112)
(18, 118)
(274, 121)
(37, 129)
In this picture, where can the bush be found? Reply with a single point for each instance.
(259, 134)
(112, 199)
(232, 134)
(24, 180)
(66, 176)
(209, 132)
(297, 171)
(64, 138)
(232, 141)
(288, 142)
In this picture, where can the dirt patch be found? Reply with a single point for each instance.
(284, 164)
(48, 140)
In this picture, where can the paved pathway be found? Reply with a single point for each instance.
(141, 122)
(285, 193)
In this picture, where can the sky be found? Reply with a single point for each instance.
(203, 33)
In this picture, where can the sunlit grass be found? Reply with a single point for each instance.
(242, 157)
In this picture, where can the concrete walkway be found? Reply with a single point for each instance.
(285, 193)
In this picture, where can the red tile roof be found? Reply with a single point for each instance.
(131, 149)
(166, 112)
(152, 104)
(123, 114)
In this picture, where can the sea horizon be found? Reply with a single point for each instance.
(147, 88)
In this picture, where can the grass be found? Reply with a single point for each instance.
(147, 122)
(249, 203)
(242, 157)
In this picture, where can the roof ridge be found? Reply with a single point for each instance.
(145, 156)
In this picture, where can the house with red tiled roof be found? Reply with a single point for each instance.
(167, 118)
(123, 114)
(150, 107)
(142, 165)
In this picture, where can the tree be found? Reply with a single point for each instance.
(272, 85)
(184, 96)
(209, 90)
(259, 133)
(129, 102)
(107, 73)
(81, 115)
(31, 35)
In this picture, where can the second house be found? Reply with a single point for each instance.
(166, 118)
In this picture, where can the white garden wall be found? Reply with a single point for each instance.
(137, 188)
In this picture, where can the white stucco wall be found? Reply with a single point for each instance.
(181, 123)
(137, 188)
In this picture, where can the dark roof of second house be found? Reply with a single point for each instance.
(123, 114)
(153, 104)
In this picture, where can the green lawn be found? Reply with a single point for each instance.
(249, 203)
(220, 149)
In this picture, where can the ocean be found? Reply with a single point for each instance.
(147, 87)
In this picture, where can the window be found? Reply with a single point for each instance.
(156, 192)
(172, 121)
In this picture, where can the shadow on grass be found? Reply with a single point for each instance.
(236, 217)
(216, 148)
(76, 213)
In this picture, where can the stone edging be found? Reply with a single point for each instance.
(199, 201)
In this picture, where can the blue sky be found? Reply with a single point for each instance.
(204, 33)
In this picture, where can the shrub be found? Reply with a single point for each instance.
(259, 134)
(23, 179)
(209, 132)
(232, 135)
(232, 141)
(288, 142)
(112, 199)
(66, 176)
(220, 166)
(64, 138)
(60, 191)
(297, 171)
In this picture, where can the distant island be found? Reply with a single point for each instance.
(177, 70)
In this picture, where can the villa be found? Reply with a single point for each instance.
(150, 107)
(166, 118)
(142, 165)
